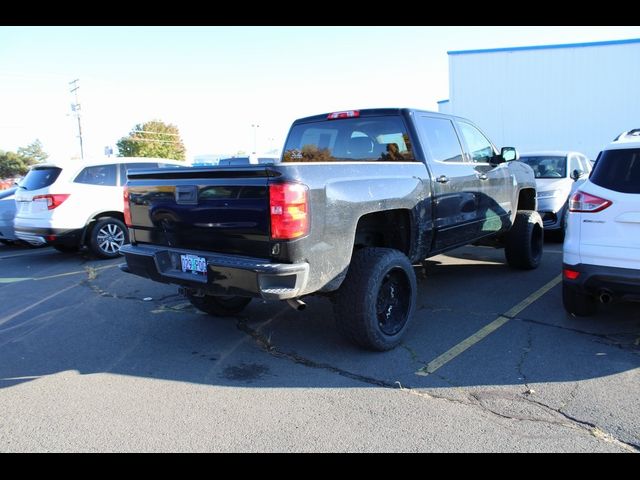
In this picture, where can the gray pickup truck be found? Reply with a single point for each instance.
(357, 198)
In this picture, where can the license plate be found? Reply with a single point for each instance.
(194, 264)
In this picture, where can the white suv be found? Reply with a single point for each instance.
(601, 260)
(72, 204)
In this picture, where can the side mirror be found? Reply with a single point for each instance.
(576, 174)
(509, 154)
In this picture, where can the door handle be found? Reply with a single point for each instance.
(442, 179)
(482, 176)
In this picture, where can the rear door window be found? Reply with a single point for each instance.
(441, 139)
(104, 175)
(40, 177)
(618, 170)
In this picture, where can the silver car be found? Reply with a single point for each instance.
(7, 212)
(556, 172)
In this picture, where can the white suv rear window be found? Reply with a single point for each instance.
(618, 170)
(40, 177)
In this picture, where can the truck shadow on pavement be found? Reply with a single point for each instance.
(112, 323)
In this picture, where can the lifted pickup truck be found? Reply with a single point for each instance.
(357, 197)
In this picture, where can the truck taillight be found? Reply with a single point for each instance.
(288, 206)
(52, 200)
(587, 203)
(126, 210)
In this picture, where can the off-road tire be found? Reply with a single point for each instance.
(376, 301)
(524, 242)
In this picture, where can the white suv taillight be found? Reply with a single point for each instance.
(52, 200)
(587, 203)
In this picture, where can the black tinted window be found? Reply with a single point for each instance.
(618, 170)
(441, 139)
(364, 139)
(99, 175)
(40, 178)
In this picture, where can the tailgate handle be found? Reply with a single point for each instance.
(187, 195)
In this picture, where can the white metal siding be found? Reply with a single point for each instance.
(573, 98)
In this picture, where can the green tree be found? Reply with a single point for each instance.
(33, 153)
(13, 164)
(152, 139)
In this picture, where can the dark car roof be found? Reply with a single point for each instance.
(370, 112)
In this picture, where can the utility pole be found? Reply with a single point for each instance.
(75, 108)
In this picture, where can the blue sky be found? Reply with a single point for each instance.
(215, 82)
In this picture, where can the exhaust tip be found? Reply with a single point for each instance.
(605, 296)
(296, 304)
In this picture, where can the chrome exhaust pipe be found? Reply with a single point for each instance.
(296, 304)
(605, 296)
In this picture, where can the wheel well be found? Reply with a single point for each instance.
(95, 218)
(118, 215)
(527, 199)
(389, 228)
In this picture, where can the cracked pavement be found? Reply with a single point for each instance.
(104, 361)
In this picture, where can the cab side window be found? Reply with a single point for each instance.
(441, 139)
(480, 148)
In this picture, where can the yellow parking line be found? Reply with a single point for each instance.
(14, 280)
(33, 305)
(58, 275)
(74, 273)
(453, 352)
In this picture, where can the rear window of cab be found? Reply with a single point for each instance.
(364, 139)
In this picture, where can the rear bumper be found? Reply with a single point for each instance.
(50, 236)
(226, 274)
(620, 283)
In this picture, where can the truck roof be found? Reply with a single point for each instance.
(370, 112)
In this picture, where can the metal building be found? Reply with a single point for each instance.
(550, 97)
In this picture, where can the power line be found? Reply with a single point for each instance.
(156, 133)
(134, 139)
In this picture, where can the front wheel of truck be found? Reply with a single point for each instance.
(376, 301)
(219, 306)
(525, 240)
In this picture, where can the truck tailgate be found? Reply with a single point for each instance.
(215, 209)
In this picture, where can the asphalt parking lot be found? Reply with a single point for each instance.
(93, 359)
